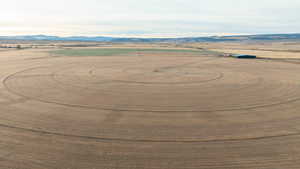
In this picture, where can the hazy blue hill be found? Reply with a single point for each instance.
(266, 37)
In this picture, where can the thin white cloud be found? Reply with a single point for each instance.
(148, 17)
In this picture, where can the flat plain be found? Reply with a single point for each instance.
(148, 106)
(273, 50)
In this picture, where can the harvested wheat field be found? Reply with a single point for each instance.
(270, 50)
(147, 108)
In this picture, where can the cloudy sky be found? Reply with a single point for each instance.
(148, 18)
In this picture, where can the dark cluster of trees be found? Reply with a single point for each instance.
(9, 47)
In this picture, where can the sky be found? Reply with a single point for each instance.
(148, 18)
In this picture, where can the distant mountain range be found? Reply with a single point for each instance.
(266, 37)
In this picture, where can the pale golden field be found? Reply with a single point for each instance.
(281, 50)
(147, 106)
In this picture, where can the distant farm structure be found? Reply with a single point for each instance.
(240, 56)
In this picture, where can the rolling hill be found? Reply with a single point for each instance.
(265, 37)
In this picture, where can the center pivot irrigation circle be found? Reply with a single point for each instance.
(150, 89)
(170, 76)
(157, 101)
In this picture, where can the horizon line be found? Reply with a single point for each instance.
(147, 37)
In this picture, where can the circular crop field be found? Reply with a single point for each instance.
(142, 108)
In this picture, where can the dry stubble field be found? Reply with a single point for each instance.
(147, 108)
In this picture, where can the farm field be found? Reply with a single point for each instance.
(272, 50)
(149, 106)
(117, 51)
